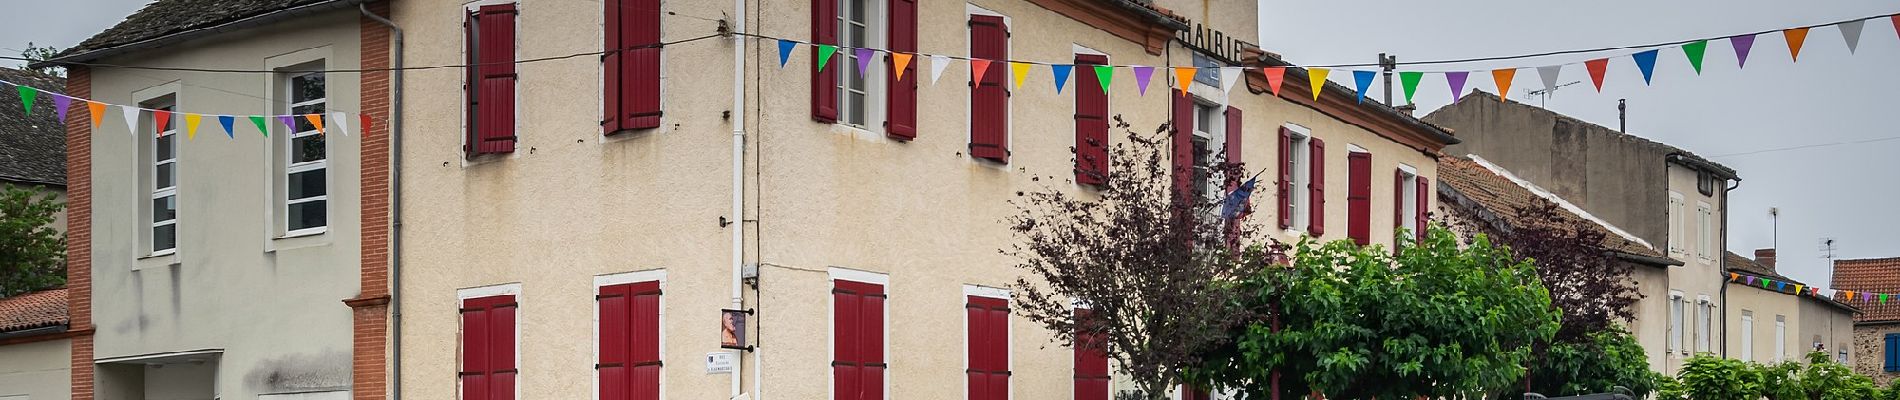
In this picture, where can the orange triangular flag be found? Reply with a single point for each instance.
(1849, 293)
(1734, 276)
(159, 117)
(1795, 36)
(976, 71)
(901, 60)
(98, 112)
(316, 120)
(1503, 78)
(1275, 75)
(1183, 76)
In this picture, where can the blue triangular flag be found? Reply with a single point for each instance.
(1364, 80)
(1062, 75)
(1237, 200)
(226, 120)
(785, 51)
(1646, 61)
(1780, 285)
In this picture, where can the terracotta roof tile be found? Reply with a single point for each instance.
(1877, 275)
(33, 310)
(1505, 197)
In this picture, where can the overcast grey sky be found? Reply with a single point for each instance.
(1845, 192)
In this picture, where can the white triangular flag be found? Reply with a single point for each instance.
(131, 120)
(937, 65)
(340, 124)
(1229, 75)
(1550, 76)
(1851, 32)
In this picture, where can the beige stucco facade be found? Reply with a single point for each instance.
(36, 370)
(570, 206)
(1699, 280)
(240, 309)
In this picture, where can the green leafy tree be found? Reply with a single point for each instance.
(42, 53)
(1824, 379)
(1607, 360)
(1668, 388)
(1436, 319)
(32, 253)
(1706, 377)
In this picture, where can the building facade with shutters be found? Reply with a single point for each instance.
(569, 222)
(1877, 327)
(1781, 319)
(248, 266)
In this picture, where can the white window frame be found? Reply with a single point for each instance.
(1781, 337)
(486, 291)
(876, 35)
(1009, 333)
(1705, 231)
(1705, 325)
(1677, 222)
(831, 323)
(1676, 311)
(1301, 140)
(1748, 336)
(651, 275)
(1408, 194)
(291, 167)
(1214, 131)
(151, 187)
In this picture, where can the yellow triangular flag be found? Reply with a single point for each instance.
(1021, 69)
(1317, 78)
(98, 112)
(1184, 76)
(316, 120)
(1503, 78)
(191, 125)
(901, 60)
(1797, 288)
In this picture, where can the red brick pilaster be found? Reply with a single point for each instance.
(79, 230)
(370, 309)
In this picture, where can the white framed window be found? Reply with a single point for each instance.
(861, 100)
(1301, 155)
(1704, 323)
(1677, 219)
(303, 186)
(1210, 144)
(160, 155)
(1705, 231)
(1675, 321)
(1408, 199)
(1748, 336)
(1781, 337)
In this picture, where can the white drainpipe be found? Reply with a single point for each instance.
(738, 172)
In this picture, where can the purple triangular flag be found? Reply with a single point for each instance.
(864, 60)
(1457, 80)
(1751, 281)
(290, 121)
(59, 106)
(1742, 44)
(1141, 78)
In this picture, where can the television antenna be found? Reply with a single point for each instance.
(1827, 248)
(1543, 95)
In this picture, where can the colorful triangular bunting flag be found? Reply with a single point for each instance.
(1018, 71)
(1502, 77)
(98, 112)
(824, 55)
(316, 121)
(1795, 37)
(27, 93)
(1184, 76)
(1275, 76)
(1228, 77)
(1409, 80)
(1061, 73)
(785, 51)
(342, 124)
(1143, 74)
(226, 121)
(60, 103)
(864, 59)
(900, 61)
(1104, 74)
(1694, 51)
(1362, 80)
(1742, 44)
(937, 65)
(1549, 75)
(191, 125)
(1850, 32)
(161, 119)
(1646, 62)
(977, 68)
(131, 115)
(261, 127)
(1317, 78)
(1596, 68)
(1457, 81)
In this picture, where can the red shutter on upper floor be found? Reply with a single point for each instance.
(824, 84)
(488, 348)
(989, 101)
(632, 65)
(1317, 182)
(1424, 205)
(901, 122)
(1359, 197)
(857, 341)
(1284, 188)
(491, 85)
(988, 373)
(1193, 393)
(1091, 122)
(1398, 201)
(629, 366)
(1182, 140)
(1091, 361)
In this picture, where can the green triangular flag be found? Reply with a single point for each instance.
(824, 55)
(1410, 81)
(27, 93)
(1103, 74)
(259, 120)
(1694, 51)
(1765, 282)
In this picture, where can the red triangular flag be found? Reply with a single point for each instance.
(1896, 23)
(159, 117)
(1597, 67)
(1275, 75)
(976, 71)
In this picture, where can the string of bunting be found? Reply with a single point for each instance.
(1802, 289)
(337, 120)
(1645, 61)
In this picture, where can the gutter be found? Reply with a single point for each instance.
(44, 330)
(1692, 161)
(395, 204)
(189, 34)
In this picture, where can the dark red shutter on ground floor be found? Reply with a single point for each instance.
(857, 365)
(1424, 205)
(1091, 360)
(988, 373)
(629, 366)
(1359, 197)
(488, 348)
(1398, 201)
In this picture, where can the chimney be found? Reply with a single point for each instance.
(1766, 257)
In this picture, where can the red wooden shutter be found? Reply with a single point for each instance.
(1284, 189)
(1398, 202)
(824, 84)
(858, 342)
(492, 80)
(640, 74)
(629, 365)
(989, 348)
(610, 66)
(1183, 142)
(989, 102)
(1359, 197)
(1091, 122)
(488, 348)
(1233, 139)
(1317, 202)
(1424, 204)
(1193, 393)
(1091, 360)
(902, 117)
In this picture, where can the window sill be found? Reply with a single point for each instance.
(160, 253)
(859, 132)
(304, 233)
(163, 258)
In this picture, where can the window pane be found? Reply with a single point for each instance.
(164, 237)
(303, 124)
(306, 149)
(162, 176)
(307, 215)
(164, 208)
(306, 88)
(306, 184)
(162, 148)
(854, 108)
